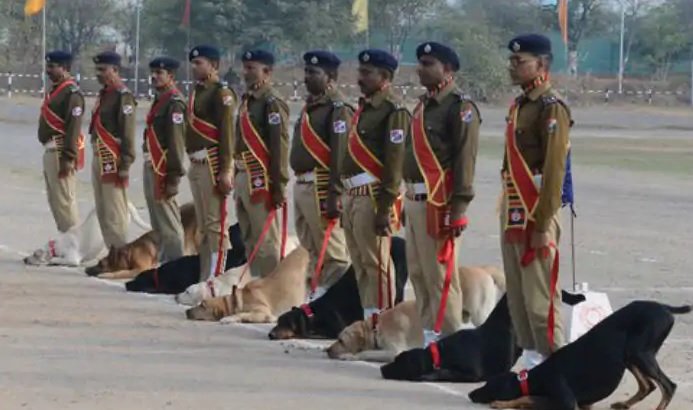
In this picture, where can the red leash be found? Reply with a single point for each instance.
(268, 224)
(321, 257)
(446, 255)
(218, 270)
(285, 231)
(527, 258)
(523, 377)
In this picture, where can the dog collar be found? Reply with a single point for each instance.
(155, 276)
(307, 310)
(435, 354)
(51, 249)
(523, 378)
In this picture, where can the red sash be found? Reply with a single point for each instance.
(257, 160)
(156, 151)
(201, 127)
(57, 124)
(313, 143)
(437, 179)
(521, 193)
(107, 148)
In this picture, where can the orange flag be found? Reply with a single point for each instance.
(33, 6)
(563, 19)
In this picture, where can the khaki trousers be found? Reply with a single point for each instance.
(251, 219)
(208, 209)
(111, 203)
(358, 221)
(310, 229)
(62, 192)
(427, 275)
(528, 290)
(164, 216)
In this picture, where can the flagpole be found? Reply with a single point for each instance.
(43, 49)
(138, 5)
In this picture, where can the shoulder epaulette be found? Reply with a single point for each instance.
(549, 99)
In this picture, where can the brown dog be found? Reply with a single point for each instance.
(130, 260)
(261, 300)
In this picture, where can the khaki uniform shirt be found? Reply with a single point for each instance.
(117, 112)
(169, 126)
(68, 105)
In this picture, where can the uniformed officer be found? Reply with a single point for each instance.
(113, 138)
(60, 133)
(439, 175)
(209, 142)
(164, 148)
(372, 174)
(533, 170)
(262, 149)
(317, 149)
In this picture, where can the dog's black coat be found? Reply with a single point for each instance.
(340, 306)
(176, 276)
(468, 355)
(591, 368)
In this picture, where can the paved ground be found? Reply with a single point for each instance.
(70, 342)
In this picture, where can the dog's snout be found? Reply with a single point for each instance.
(272, 335)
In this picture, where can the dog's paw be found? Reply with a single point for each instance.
(348, 357)
(230, 320)
(621, 405)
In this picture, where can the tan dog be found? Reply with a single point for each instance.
(400, 328)
(130, 260)
(261, 300)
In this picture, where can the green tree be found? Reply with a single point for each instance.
(398, 19)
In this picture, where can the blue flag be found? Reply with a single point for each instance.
(567, 194)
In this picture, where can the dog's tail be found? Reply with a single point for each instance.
(137, 219)
(679, 310)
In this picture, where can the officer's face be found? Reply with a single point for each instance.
(55, 71)
(105, 73)
(523, 68)
(161, 78)
(316, 79)
(431, 71)
(255, 72)
(370, 79)
(201, 68)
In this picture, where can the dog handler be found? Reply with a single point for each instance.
(533, 169)
(164, 148)
(438, 173)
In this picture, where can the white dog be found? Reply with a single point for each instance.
(222, 285)
(81, 243)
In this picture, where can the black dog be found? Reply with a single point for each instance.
(339, 307)
(468, 355)
(591, 368)
(176, 276)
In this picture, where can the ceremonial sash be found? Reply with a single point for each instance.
(57, 124)
(107, 148)
(437, 179)
(365, 159)
(321, 151)
(257, 159)
(521, 194)
(201, 127)
(156, 151)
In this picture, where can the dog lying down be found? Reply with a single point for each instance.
(260, 300)
(400, 328)
(131, 259)
(340, 306)
(591, 368)
(80, 244)
(468, 355)
(194, 294)
(176, 276)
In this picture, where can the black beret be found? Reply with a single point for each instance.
(378, 58)
(261, 56)
(108, 57)
(440, 52)
(530, 43)
(167, 63)
(206, 51)
(59, 57)
(320, 58)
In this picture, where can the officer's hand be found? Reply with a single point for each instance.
(278, 200)
(66, 167)
(225, 183)
(457, 225)
(540, 241)
(170, 191)
(382, 225)
(123, 177)
(333, 210)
